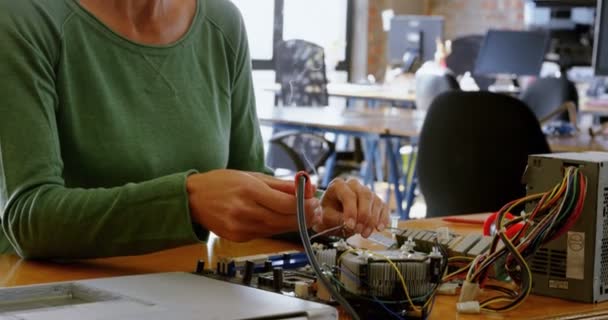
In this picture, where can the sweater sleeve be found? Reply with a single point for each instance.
(246, 144)
(40, 216)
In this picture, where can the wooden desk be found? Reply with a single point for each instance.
(578, 143)
(596, 107)
(371, 92)
(395, 122)
(14, 271)
(395, 93)
(382, 121)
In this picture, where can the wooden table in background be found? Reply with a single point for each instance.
(14, 272)
(400, 92)
(578, 143)
(396, 122)
(378, 121)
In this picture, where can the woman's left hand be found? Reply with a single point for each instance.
(353, 204)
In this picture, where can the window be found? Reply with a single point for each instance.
(324, 22)
(259, 21)
(320, 21)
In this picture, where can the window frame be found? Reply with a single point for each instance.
(277, 36)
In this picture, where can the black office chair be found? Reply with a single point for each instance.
(473, 150)
(429, 86)
(300, 69)
(463, 57)
(297, 151)
(545, 95)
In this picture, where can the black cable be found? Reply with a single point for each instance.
(310, 254)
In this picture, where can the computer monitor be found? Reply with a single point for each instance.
(414, 36)
(512, 53)
(600, 48)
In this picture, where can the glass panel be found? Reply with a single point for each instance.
(320, 21)
(259, 21)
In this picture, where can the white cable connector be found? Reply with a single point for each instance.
(448, 289)
(471, 307)
(408, 246)
(469, 291)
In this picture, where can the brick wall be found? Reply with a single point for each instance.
(376, 38)
(462, 17)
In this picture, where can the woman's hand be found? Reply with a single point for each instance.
(241, 206)
(353, 204)
(344, 202)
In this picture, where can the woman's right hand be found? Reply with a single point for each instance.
(239, 206)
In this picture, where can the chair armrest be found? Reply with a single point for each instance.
(568, 106)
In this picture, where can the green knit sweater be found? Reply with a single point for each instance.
(98, 133)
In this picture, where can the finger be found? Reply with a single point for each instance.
(338, 195)
(375, 214)
(364, 204)
(273, 223)
(285, 186)
(330, 217)
(280, 202)
(241, 230)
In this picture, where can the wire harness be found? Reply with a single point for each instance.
(553, 213)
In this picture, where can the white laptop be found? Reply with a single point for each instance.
(173, 296)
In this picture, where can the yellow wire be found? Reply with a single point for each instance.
(399, 274)
(460, 258)
(495, 300)
(461, 270)
(551, 196)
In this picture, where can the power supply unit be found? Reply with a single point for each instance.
(575, 265)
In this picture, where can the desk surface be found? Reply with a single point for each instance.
(578, 143)
(598, 107)
(382, 121)
(14, 271)
(374, 92)
(399, 92)
(394, 121)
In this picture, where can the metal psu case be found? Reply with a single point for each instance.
(574, 266)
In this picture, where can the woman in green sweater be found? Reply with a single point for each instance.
(129, 126)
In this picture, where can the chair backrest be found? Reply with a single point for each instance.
(473, 151)
(544, 95)
(429, 86)
(298, 151)
(300, 69)
(463, 56)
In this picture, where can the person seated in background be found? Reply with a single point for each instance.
(129, 126)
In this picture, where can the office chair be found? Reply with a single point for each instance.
(429, 86)
(463, 57)
(297, 151)
(300, 69)
(473, 150)
(546, 95)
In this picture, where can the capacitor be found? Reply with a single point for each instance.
(249, 266)
(200, 266)
(277, 276)
(267, 266)
(435, 265)
(301, 289)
